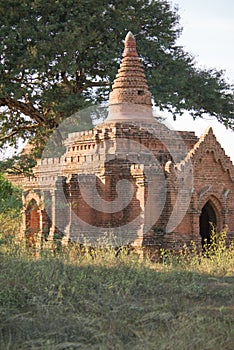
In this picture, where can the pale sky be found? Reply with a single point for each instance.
(208, 35)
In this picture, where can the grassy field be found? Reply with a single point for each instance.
(71, 301)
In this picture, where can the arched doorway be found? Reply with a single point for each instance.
(208, 221)
(32, 223)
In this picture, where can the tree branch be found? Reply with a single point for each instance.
(25, 108)
(96, 83)
(66, 81)
(16, 131)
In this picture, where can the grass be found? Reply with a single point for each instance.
(72, 301)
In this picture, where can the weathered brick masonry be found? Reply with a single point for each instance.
(173, 184)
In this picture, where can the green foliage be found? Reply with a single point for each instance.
(18, 165)
(78, 301)
(10, 208)
(61, 56)
(10, 195)
(10, 221)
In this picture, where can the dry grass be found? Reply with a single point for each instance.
(71, 302)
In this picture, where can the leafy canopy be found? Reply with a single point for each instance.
(10, 208)
(54, 53)
(10, 196)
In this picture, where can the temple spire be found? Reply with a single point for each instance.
(130, 46)
(130, 98)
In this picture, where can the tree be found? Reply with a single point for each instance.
(10, 208)
(10, 195)
(53, 54)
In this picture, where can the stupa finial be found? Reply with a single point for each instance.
(130, 46)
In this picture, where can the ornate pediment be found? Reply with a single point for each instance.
(209, 144)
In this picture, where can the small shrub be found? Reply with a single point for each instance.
(10, 210)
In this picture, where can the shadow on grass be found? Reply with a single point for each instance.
(51, 304)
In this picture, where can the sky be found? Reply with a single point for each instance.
(208, 34)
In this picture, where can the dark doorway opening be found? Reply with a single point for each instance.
(208, 222)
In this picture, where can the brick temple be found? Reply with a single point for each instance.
(131, 178)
